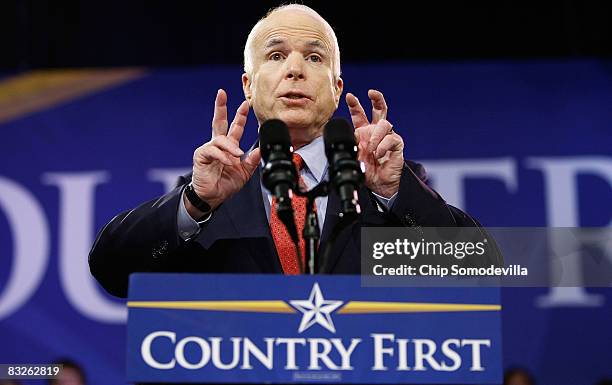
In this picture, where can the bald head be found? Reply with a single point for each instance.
(276, 14)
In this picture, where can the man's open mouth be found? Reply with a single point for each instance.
(295, 95)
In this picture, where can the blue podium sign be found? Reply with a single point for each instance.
(186, 328)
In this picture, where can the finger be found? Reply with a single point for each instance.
(391, 143)
(237, 127)
(225, 144)
(358, 115)
(362, 135)
(219, 122)
(364, 156)
(379, 106)
(252, 160)
(380, 131)
(209, 154)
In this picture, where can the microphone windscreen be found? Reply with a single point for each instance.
(338, 131)
(273, 132)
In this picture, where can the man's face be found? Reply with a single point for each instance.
(292, 77)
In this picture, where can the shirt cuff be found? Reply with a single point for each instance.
(187, 226)
(387, 202)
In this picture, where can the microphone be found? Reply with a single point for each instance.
(279, 175)
(345, 172)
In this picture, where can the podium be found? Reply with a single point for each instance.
(232, 328)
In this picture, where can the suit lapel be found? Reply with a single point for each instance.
(248, 215)
(369, 216)
(243, 218)
(331, 216)
(332, 247)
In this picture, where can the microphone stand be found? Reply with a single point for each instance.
(311, 231)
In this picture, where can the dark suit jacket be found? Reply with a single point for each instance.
(237, 238)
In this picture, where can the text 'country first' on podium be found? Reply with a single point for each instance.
(200, 328)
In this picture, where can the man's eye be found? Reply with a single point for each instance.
(276, 56)
(315, 58)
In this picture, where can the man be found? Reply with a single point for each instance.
(292, 73)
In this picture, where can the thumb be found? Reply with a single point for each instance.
(251, 161)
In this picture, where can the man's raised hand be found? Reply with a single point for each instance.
(381, 149)
(219, 168)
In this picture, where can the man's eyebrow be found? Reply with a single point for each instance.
(317, 44)
(278, 41)
(274, 41)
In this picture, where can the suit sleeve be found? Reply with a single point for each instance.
(144, 239)
(419, 205)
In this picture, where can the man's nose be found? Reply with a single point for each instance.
(295, 67)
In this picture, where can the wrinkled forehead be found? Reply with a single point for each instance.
(295, 26)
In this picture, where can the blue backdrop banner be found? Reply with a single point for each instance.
(514, 143)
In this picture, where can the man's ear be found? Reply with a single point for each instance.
(246, 87)
(339, 86)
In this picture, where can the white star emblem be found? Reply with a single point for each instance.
(316, 310)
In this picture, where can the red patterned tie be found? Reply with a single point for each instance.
(282, 240)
